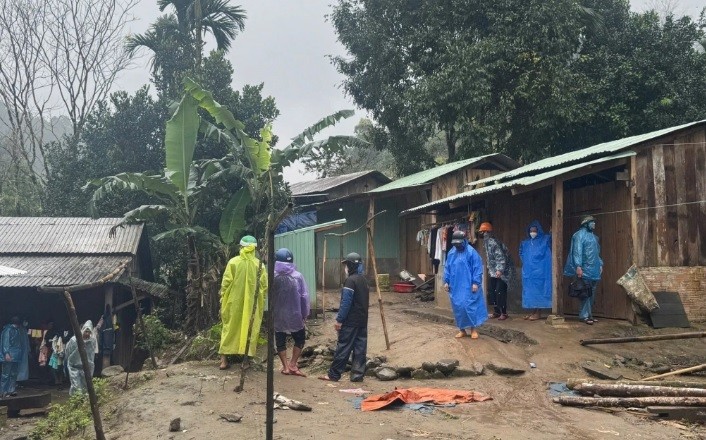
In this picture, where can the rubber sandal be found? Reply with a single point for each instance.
(286, 373)
(527, 317)
(474, 334)
(460, 335)
(534, 318)
(588, 321)
(326, 378)
(494, 315)
(502, 317)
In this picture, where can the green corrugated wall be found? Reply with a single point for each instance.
(302, 244)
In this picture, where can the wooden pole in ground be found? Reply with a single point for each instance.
(689, 335)
(270, 410)
(87, 373)
(371, 252)
(676, 372)
(626, 390)
(323, 280)
(143, 327)
(630, 402)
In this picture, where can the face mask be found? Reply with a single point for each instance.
(345, 269)
(533, 234)
(459, 246)
(591, 226)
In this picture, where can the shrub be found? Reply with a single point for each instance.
(158, 334)
(72, 418)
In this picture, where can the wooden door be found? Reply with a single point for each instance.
(610, 204)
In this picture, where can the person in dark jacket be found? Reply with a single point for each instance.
(500, 270)
(290, 306)
(351, 322)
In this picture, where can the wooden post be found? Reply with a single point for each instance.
(371, 251)
(143, 327)
(682, 371)
(668, 337)
(270, 410)
(87, 373)
(340, 268)
(323, 280)
(557, 245)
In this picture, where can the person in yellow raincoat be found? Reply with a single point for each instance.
(237, 297)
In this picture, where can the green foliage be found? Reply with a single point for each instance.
(19, 194)
(158, 335)
(71, 419)
(525, 78)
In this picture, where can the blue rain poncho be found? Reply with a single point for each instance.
(585, 253)
(73, 359)
(462, 270)
(536, 257)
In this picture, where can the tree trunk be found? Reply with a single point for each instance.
(451, 143)
(635, 402)
(575, 382)
(625, 390)
(194, 311)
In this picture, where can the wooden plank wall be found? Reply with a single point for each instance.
(610, 204)
(670, 186)
(454, 183)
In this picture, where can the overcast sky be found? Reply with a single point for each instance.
(285, 45)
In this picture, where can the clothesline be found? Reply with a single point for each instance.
(447, 222)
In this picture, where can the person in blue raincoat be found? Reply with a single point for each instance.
(536, 257)
(14, 345)
(463, 279)
(584, 261)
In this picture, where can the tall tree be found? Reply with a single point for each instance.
(176, 38)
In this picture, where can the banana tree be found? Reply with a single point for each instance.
(182, 188)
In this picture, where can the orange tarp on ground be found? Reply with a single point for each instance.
(422, 395)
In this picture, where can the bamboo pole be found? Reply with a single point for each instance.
(323, 280)
(627, 390)
(688, 335)
(371, 252)
(676, 372)
(270, 414)
(631, 402)
(87, 373)
(572, 383)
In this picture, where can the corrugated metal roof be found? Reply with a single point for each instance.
(10, 271)
(322, 226)
(45, 235)
(521, 181)
(321, 186)
(586, 153)
(59, 270)
(426, 176)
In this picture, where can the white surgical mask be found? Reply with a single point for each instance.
(345, 269)
(533, 234)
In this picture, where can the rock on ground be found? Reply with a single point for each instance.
(386, 373)
(504, 369)
(112, 371)
(420, 374)
(447, 366)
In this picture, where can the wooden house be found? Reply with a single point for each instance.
(64, 252)
(647, 193)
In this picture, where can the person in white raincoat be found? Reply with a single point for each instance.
(73, 357)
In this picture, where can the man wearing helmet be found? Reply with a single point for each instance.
(500, 269)
(584, 261)
(463, 279)
(290, 305)
(237, 298)
(351, 322)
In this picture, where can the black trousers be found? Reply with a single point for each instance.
(281, 339)
(497, 292)
(350, 339)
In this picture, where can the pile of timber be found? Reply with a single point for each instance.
(673, 399)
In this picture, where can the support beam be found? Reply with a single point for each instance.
(557, 245)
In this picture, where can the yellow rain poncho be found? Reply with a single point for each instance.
(237, 296)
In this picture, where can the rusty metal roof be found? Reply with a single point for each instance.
(86, 236)
(57, 270)
(321, 186)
